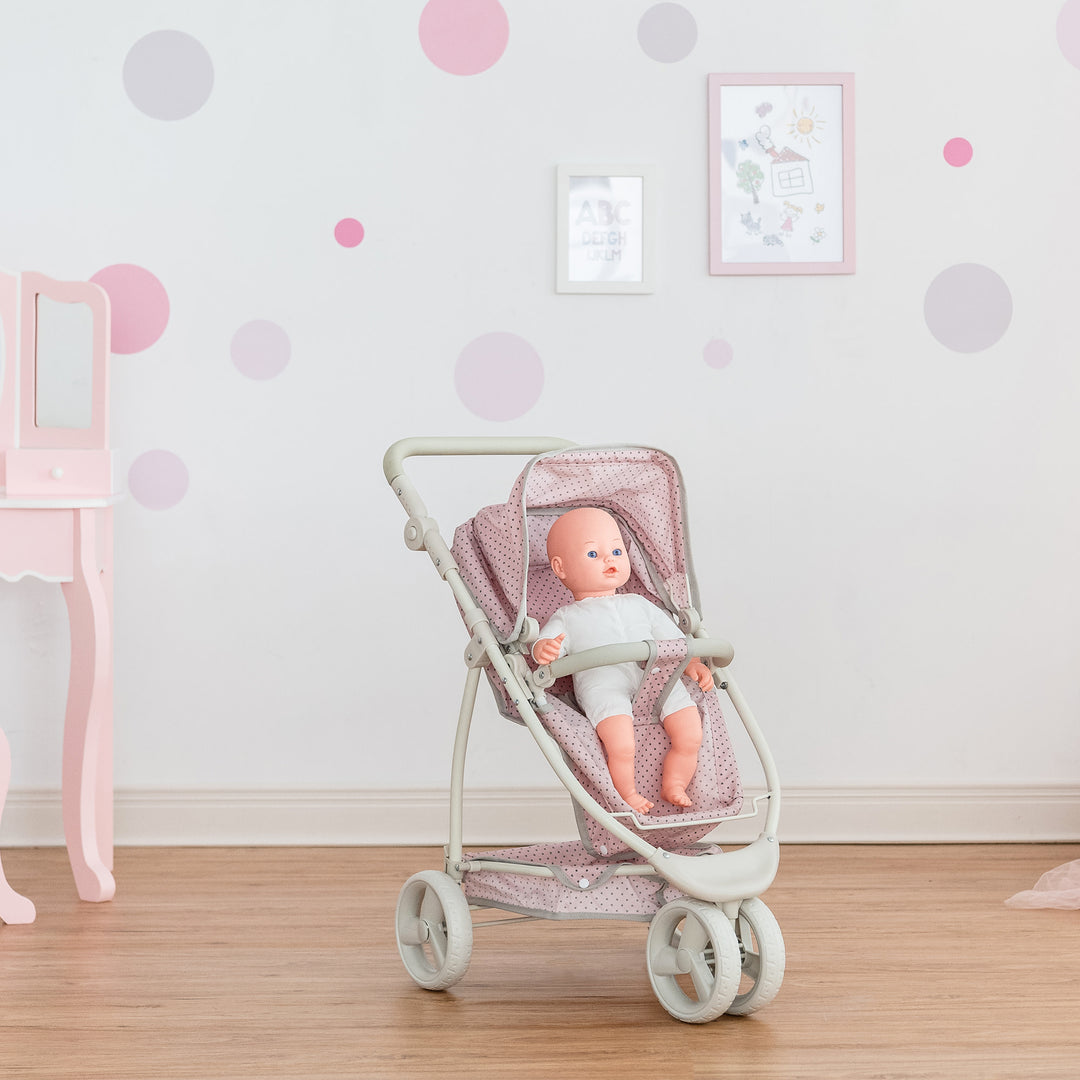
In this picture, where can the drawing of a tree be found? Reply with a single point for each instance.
(750, 178)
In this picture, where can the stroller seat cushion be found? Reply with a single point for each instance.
(715, 790)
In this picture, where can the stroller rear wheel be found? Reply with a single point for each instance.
(694, 960)
(762, 947)
(434, 929)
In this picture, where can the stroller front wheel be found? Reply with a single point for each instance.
(694, 960)
(762, 947)
(434, 929)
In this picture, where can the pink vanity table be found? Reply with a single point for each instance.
(56, 499)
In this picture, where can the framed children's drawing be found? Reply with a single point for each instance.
(606, 229)
(782, 174)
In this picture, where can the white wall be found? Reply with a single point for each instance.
(885, 527)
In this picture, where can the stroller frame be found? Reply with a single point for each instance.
(718, 948)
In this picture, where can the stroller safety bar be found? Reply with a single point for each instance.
(716, 649)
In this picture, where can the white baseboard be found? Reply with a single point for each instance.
(923, 815)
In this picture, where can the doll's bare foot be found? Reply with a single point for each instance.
(617, 735)
(677, 796)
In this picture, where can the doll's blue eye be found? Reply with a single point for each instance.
(591, 554)
(616, 551)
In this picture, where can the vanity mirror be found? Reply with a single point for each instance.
(54, 406)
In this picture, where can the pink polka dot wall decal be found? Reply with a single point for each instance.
(158, 479)
(968, 307)
(464, 37)
(958, 152)
(499, 376)
(667, 32)
(168, 75)
(348, 232)
(261, 349)
(1068, 31)
(139, 306)
(718, 353)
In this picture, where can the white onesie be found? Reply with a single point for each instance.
(611, 620)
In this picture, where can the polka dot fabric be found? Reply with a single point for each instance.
(583, 886)
(671, 656)
(503, 560)
(640, 486)
(716, 790)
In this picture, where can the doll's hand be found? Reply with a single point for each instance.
(700, 674)
(547, 649)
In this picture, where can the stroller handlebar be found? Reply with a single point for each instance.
(716, 649)
(394, 458)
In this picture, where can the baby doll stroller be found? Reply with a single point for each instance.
(713, 946)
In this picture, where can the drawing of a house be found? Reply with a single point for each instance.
(790, 172)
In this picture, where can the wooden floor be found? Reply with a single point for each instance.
(274, 963)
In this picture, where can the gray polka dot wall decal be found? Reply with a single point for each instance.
(499, 376)
(1068, 31)
(168, 75)
(968, 307)
(718, 353)
(158, 479)
(261, 349)
(667, 33)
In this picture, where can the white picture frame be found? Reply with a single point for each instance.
(606, 229)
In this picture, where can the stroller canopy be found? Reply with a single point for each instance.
(502, 551)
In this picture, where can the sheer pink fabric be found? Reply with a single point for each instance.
(1057, 888)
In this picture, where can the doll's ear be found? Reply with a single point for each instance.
(557, 566)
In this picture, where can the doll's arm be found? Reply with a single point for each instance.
(547, 650)
(664, 627)
(700, 674)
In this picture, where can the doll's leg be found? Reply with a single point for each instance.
(684, 730)
(617, 735)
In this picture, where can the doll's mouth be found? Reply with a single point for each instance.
(612, 570)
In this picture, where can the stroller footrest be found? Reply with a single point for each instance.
(724, 877)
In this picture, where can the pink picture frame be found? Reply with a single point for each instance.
(782, 173)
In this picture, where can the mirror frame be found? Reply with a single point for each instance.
(9, 362)
(96, 436)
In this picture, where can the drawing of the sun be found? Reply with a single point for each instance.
(806, 126)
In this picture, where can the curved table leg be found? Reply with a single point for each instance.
(88, 724)
(13, 907)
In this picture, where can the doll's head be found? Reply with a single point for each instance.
(587, 553)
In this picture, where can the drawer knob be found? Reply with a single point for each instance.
(56, 472)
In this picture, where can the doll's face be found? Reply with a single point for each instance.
(587, 553)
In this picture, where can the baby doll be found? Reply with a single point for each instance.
(586, 553)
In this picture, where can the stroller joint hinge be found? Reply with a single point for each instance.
(416, 532)
(518, 685)
(476, 653)
(439, 552)
(456, 869)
